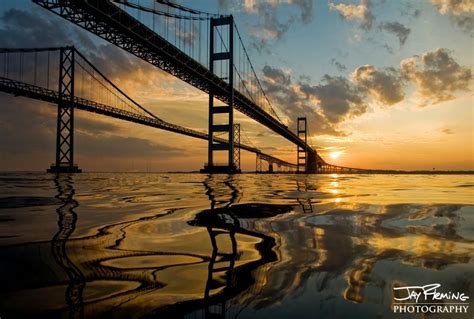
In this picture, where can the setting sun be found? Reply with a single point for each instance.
(224, 158)
(335, 155)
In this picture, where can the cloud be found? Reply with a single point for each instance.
(23, 28)
(456, 7)
(271, 26)
(388, 48)
(339, 66)
(326, 104)
(361, 13)
(25, 127)
(447, 131)
(437, 75)
(465, 22)
(305, 7)
(27, 28)
(411, 10)
(94, 126)
(459, 11)
(384, 85)
(276, 75)
(113, 146)
(398, 29)
(338, 98)
(294, 102)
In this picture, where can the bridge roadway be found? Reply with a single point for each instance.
(18, 88)
(106, 20)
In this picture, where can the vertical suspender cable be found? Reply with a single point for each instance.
(186, 35)
(82, 83)
(221, 61)
(167, 23)
(175, 30)
(192, 38)
(36, 63)
(47, 76)
(21, 66)
(207, 43)
(5, 66)
(165, 27)
(139, 12)
(154, 15)
(199, 36)
(180, 35)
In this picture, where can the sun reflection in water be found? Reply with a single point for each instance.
(349, 236)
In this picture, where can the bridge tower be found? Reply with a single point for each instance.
(65, 121)
(302, 132)
(306, 161)
(258, 163)
(227, 111)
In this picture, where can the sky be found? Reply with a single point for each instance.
(384, 85)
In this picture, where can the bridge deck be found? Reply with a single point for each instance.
(18, 88)
(116, 26)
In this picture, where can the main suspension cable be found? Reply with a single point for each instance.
(167, 14)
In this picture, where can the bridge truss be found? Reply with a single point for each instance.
(225, 73)
(32, 73)
(112, 22)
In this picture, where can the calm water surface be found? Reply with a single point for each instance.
(244, 246)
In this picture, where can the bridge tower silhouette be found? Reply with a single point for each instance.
(65, 119)
(302, 132)
(225, 23)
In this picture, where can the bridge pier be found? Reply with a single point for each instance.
(311, 163)
(270, 167)
(65, 120)
(258, 163)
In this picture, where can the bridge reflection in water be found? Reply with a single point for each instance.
(67, 219)
(237, 257)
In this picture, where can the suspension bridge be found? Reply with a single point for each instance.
(202, 49)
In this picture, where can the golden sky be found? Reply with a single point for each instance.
(384, 85)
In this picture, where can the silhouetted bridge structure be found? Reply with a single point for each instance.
(206, 57)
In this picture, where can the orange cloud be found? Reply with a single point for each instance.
(455, 7)
(361, 12)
